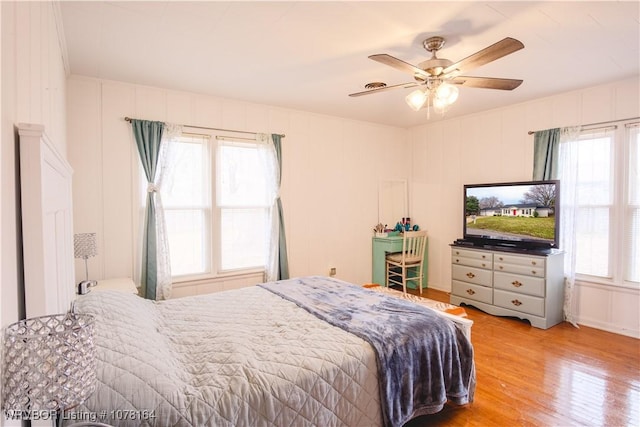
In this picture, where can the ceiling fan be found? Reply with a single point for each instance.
(438, 78)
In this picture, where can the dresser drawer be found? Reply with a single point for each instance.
(523, 303)
(472, 262)
(530, 261)
(520, 284)
(457, 252)
(519, 269)
(472, 292)
(474, 275)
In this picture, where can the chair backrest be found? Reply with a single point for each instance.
(413, 245)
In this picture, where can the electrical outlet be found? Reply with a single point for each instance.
(332, 271)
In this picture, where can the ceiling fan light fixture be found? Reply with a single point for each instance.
(417, 99)
(446, 94)
(440, 105)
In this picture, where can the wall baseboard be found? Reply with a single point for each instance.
(608, 327)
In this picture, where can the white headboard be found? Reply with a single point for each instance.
(47, 224)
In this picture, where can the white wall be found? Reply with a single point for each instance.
(331, 170)
(329, 185)
(33, 91)
(494, 146)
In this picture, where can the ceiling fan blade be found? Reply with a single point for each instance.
(504, 47)
(486, 82)
(398, 64)
(382, 89)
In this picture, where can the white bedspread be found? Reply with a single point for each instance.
(237, 358)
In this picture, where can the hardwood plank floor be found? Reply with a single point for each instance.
(562, 376)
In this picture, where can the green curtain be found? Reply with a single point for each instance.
(148, 136)
(545, 154)
(283, 269)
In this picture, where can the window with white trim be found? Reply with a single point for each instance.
(608, 195)
(243, 205)
(186, 197)
(215, 206)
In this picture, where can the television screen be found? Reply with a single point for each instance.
(519, 214)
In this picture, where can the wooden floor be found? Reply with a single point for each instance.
(561, 376)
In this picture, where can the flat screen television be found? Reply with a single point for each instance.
(520, 215)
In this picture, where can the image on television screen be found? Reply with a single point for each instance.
(516, 212)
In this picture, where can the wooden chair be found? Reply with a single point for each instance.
(407, 266)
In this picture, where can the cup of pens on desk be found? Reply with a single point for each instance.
(379, 229)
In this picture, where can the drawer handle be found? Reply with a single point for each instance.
(533, 263)
(471, 275)
(457, 252)
(484, 265)
(471, 291)
(500, 267)
(516, 302)
(501, 259)
(484, 256)
(534, 272)
(457, 260)
(516, 283)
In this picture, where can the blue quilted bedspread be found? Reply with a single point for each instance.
(423, 359)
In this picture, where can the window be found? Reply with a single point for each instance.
(186, 197)
(243, 205)
(608, 205)
(207, 238)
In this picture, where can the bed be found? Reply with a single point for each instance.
(259, 357)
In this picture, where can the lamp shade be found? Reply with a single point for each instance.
(48, 363)
(446, 94)
(84, 245)
(417, 99)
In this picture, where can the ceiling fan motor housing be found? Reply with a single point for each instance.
(434, 66)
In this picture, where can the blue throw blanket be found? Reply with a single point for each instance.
(423, 359)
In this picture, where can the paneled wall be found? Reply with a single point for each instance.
(331, 171)
(33, 91)
(494, 146)
(332, 167)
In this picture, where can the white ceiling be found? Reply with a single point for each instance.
(309, 55)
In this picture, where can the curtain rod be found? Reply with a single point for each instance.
(531, 132)
(128, 119)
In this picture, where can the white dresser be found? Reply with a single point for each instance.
(525, 285)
